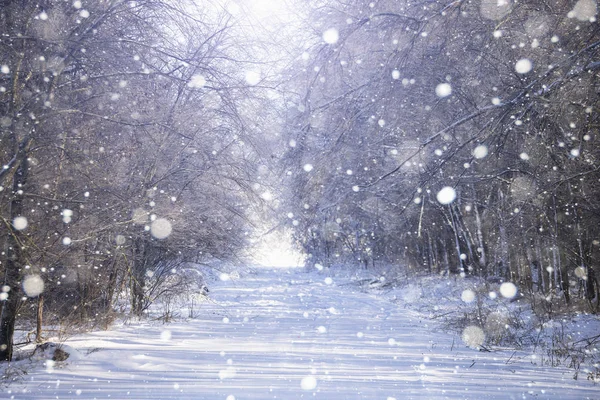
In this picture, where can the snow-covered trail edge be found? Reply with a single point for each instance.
(291, 335)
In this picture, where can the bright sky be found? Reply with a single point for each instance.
(264, 10)
(275, 250)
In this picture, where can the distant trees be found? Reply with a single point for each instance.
(451, 137)
(125, 148)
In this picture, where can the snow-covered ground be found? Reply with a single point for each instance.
(287, 334)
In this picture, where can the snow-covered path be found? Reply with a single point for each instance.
(288, 335)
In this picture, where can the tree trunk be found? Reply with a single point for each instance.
(39, 321)
(12, 272)
(481, 249)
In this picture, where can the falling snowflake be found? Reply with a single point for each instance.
(161, 228)
(331, 36)
(197, 82)
(508, 290)
(252, 78)
(467, 296)
(473, 336)
(443, 90)
(480, 151)
(523, 66)
(446, 196)
(20, 223)
(33, 285)
(308, 383)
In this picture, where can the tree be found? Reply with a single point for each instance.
(126, 147)
(491, 102)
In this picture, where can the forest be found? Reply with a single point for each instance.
(454, 138)
(141, 138)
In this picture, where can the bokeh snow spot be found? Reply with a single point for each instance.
(508, 290)
(165, 335)
(575, 152)
(252, 78)
(331, 36)
(227, 373)
(581, 273)
(446, 196)
(224, 277)
(20, 223)
(480, 151)
(33, 285)
(321, 329)
(308, 167)
(161, 228)
(66, 215)
(308, 383)
(197, 82)
(443, 90)
(523, 66)
(328, 281)
(467, 296)
(473, 336)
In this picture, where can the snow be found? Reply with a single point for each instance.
(508, 290)
(480, 151)
(33, 285)
(523, 66)
(20, 223)
(446, 195)
(331, 36)
(161, 228)
(443, 90)
(282, 342)
(197, 81)
(252, 77)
